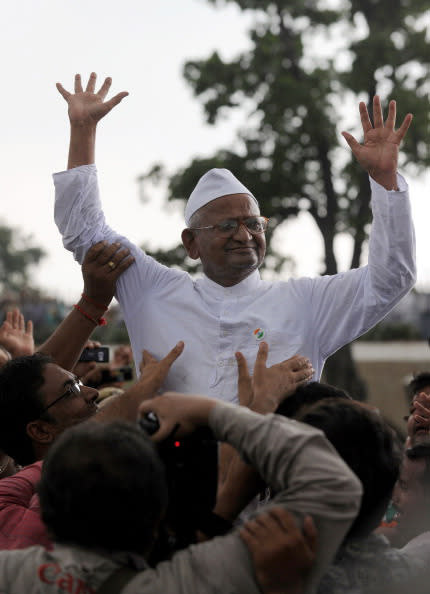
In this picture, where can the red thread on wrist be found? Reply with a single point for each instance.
(96, 303)
(99, 322)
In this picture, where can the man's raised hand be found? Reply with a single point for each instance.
(269, 386)
(378, 154)
(15, 335)
(87, 107)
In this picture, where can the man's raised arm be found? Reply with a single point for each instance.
(348, 304)
(78, 212)
(86, 109)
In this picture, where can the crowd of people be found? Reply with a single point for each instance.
(223, 464)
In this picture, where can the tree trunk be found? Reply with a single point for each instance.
(341, 371)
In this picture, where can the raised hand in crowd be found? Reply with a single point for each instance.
(102, 266)
(16, 336)
(378, 154)
(269, 386)
(282, 554)
(263, 392)
(147, 386)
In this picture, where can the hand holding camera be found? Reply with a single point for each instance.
(97, 369)
(172, 409)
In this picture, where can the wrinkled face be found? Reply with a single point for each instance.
(418, 423)
(410, 499)
(229, 260)
(72, 408)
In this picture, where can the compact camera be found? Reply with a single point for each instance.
(97, 354)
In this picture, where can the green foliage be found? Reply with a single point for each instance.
(290, 152)
(17, 256)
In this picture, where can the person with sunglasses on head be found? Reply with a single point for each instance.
(230, 308)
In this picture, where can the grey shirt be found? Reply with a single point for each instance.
(296, 460)
(371, 565)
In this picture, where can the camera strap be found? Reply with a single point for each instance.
(116, 581)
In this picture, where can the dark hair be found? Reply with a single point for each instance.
(418, 383)
(421, 451)
(309, 394)
(103, 485)
(369, 446)
(20, 403)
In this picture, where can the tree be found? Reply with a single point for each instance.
(292, 84)
(17, 256)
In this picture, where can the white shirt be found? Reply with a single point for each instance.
(310, 317)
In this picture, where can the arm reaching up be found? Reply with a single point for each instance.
(238, 483)
(296, 461)
(102, 266)
(154, 372)
(269, 386)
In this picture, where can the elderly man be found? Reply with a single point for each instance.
(231, 308)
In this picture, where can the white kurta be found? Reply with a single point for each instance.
(308, 316)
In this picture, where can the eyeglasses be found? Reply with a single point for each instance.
(227, 228)
(73, 389)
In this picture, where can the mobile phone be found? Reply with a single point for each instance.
(98, 354)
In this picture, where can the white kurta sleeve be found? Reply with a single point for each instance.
(80, 219)
(345, 305)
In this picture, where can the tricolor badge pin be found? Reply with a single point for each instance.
(259, 334)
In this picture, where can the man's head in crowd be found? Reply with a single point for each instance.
(411, 495)
(225, 230)
(103, 486)
(368, 445)
(419, 383)
(38, 400)
(418, 427)
(307, 395)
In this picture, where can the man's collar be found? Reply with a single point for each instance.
(248, 285)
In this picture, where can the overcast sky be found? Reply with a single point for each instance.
(142, 44)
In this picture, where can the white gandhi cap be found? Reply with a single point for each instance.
(213, 184)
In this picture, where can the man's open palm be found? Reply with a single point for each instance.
(88, 107)
(378, 154)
